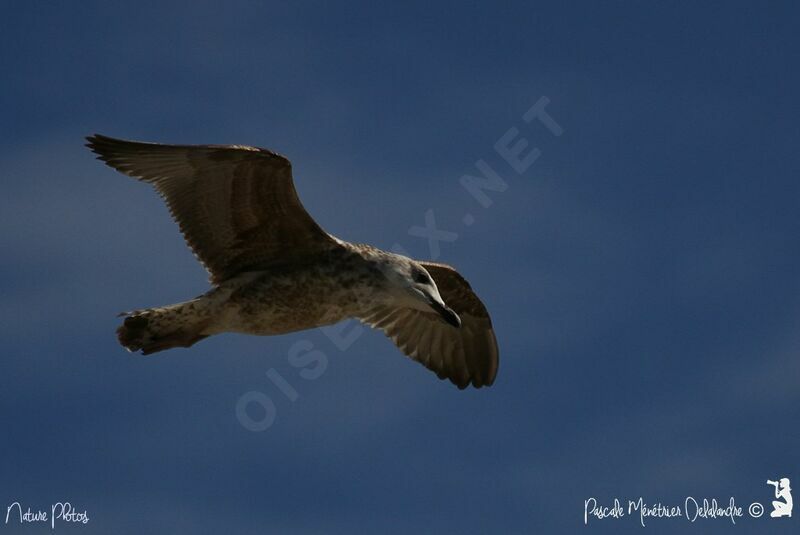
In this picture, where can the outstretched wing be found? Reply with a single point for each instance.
(236, 205)
(465, 355)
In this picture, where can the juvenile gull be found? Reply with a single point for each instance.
(274, 270)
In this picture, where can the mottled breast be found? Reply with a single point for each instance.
(304, 296)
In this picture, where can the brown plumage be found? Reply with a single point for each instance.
(274, 270)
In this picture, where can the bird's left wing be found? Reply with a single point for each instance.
(236, 205)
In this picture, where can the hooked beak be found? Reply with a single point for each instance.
(446, 313)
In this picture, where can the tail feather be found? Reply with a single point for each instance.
(156, 329)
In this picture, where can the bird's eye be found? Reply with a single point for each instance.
(421, 277)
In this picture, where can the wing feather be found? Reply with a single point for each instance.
(235, 205)
(465, 355)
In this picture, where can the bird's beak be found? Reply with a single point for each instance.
(446, 313)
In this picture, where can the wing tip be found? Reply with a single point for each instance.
(485, 375)
(94, 139)
(98, 144)
(91, 141)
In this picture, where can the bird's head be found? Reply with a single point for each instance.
(411, 286)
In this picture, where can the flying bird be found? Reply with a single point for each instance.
(274, 270)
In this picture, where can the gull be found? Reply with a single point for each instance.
(274, 270)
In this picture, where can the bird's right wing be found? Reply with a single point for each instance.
(465, 355)
(236, 206)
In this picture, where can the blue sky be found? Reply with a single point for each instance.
(641, 274)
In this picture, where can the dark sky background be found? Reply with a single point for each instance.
(642, 274)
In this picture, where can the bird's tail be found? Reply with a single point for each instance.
(156, 329)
